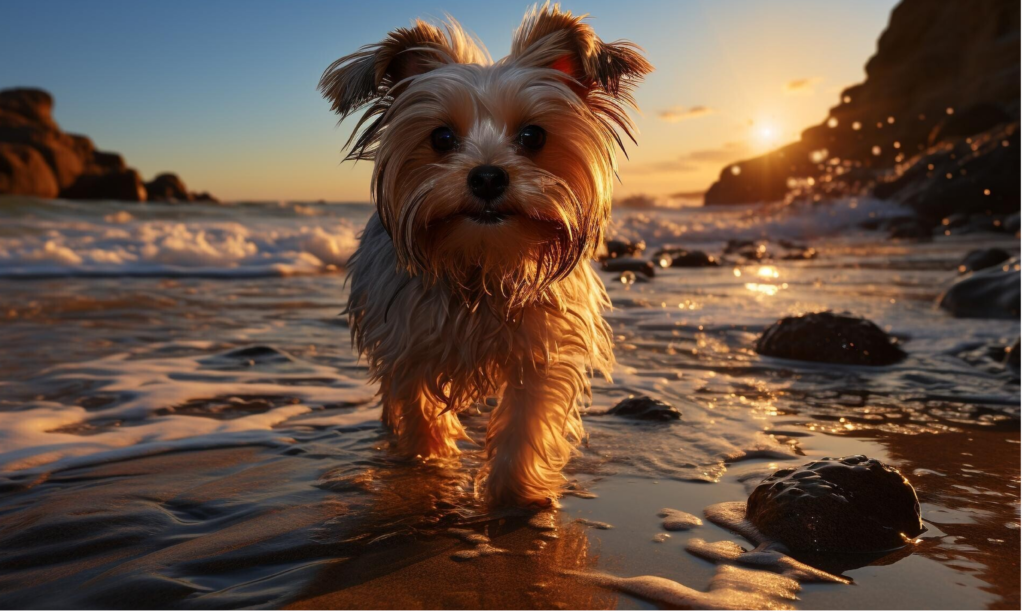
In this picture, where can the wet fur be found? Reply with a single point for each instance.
(447, 310)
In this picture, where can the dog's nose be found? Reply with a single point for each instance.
(488, 182)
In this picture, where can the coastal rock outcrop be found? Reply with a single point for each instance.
(829, 337)
(852, 504)
(71, 166)
(935, 125)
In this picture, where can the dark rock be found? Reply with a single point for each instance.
(125, 185)
(167, 187)
(1012, 222)
(645, 408)
(983, 259)
(829, 337)
(24, 171)
(909, 228)
(204, 197)
(637, 265)
(34, 105)
(978, 118)
(682, 258)
(749, 250)
(853, 504)
(989, 293)
(805, 254)
(619, 248)
(961, 178)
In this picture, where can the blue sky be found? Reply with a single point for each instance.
(224, 91)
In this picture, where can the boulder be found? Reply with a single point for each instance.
(831, 338)
(682, 258)
(167, 187)
(989, 293)
(853, 504)
(24, 171)
(978, 118)
(618, 248)
(983, 259)
(124, 185)
(645, 408)
(636, 265)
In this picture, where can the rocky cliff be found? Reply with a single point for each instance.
(38, 159)
(935, 125)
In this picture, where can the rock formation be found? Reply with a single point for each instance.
(935, 125)
(38, 159)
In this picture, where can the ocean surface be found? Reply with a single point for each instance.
(183, 423)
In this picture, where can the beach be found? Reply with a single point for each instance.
(184, 424)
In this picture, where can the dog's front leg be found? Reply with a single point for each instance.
(423, 426)
(532, 432)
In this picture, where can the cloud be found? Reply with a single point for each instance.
(678, 114)
(801, 86)
(695, 160)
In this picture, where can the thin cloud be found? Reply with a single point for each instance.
(695, 160)
(678, 114)
(801, 86)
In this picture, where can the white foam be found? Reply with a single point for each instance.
(158, 240)
(145, 386)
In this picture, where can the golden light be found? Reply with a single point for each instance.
(767, 135)
(768, 272)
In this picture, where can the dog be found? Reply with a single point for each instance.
(492, 183)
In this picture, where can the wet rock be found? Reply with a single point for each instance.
(807, 253)
(678, 257)
(167, 187)
(619, 248)
(971, 121)
(983, 259)
(853, 504)
(23, 170)
(989, 293)
(829, 337)
(645, 408)
(749, 250)
(636, 265)
(909, 228)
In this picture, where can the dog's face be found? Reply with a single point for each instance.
(494, 174)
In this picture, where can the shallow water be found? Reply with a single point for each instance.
(184, 424)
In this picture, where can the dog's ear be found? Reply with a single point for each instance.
(370, 73)
(551, 38)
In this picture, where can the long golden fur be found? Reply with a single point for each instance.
(448, 310)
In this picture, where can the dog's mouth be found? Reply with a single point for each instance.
(488, 217)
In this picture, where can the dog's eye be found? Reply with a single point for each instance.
(532, 137)
(443, 139)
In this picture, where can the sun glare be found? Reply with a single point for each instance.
(766, 135)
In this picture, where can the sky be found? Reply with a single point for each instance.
(223, 92)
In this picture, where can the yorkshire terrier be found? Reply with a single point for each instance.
(492, 183)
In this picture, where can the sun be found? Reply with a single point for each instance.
(766, 134)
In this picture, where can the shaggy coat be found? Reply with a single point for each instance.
(449, 309)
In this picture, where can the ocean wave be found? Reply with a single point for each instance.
(107, 239)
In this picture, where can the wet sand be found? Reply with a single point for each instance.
(211, 443)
